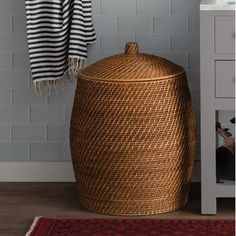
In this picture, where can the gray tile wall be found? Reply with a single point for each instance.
(36, 128)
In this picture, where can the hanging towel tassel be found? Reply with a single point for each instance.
(49, 86)
(75, 65)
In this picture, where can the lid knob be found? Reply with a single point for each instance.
(131, 48)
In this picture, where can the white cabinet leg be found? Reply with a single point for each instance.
(209, 206)
(208, 160)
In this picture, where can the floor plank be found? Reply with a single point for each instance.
(21, 202)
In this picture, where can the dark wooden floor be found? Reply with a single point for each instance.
(21, 202)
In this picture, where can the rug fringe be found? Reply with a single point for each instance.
(33, 225)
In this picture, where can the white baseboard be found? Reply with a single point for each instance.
(48, 172)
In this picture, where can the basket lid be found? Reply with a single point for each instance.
(131, 66)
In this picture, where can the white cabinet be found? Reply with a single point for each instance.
(224, 34)
(217, 33)
(225, 79)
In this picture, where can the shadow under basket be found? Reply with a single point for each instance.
(132, 135)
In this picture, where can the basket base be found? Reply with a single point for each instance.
(131, 208)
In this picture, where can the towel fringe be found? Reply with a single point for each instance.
(75, 65)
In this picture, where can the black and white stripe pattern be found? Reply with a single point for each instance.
(59, 32)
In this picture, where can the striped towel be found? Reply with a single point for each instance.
(58, 32)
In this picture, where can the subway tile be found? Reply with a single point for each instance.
(185, 43)
(14, 152)
(194, 24)
(135, 24)
(5, 133)
(5, 24)
(12, 114)
(20, 61)
(109, 53)
(46, 151)
(67, 153)
(47, 114)
(194, 61)
(65, 97)
(19, 24)
(177, 58)
(93, 57)
(30, 133)
(70, 84)
(196, 100)
(27, 97)
(196, 109)
(115, 42)
(114, 7)
(195, 94)
(68, 111)
(14, 79)
(153, 43)
(106, 24)
(5, 97)
(171, 25)
(193, 77)
(13, 42)
(95, 47)
(12, 7)
(5, 61)
(67, 131)
(56, 132)
(153, 7)
(185, 7)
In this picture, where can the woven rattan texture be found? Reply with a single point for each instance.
(131, 67)
(133, 145)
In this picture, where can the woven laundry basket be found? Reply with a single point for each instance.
(132, 135)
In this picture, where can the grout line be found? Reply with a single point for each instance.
(189, 64)
(29, 115)
(11, 132)
(46, 133)
(153, 22)
(12, 66)
(100, 42)
(11, 102)
(189, 25)
(11, 24)
(29, 151)
(170, 43)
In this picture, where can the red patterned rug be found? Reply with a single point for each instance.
(59, 227)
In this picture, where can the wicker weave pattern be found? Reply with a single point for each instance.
(133, 144)
(141, 67)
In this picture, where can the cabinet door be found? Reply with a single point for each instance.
(225, 79)
(224, 34)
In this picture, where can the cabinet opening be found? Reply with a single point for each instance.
(225, 146)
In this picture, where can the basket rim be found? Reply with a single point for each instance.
(125, 81)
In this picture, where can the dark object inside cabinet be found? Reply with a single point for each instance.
(225, 155)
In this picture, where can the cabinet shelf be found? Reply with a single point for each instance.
(226, 189)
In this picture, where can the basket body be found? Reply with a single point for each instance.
(133, 144)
